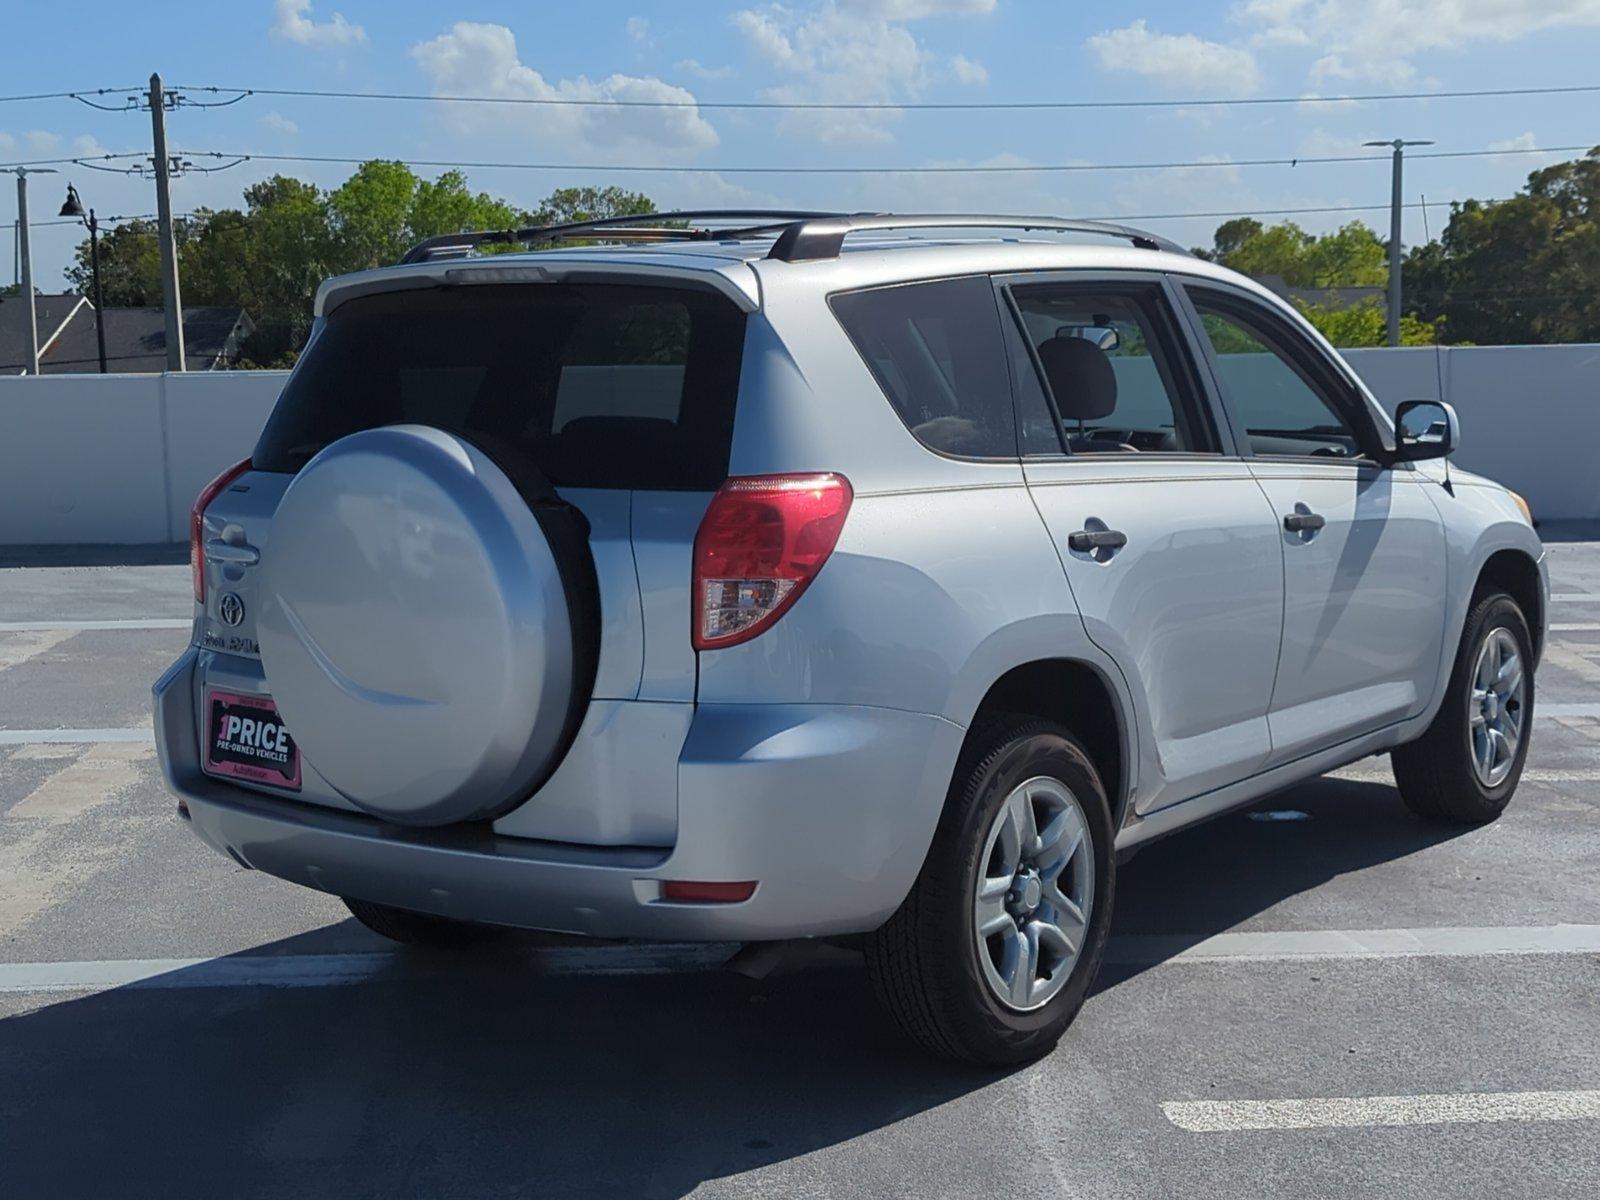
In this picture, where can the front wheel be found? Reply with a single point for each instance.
(993, 952)
(1465, 768)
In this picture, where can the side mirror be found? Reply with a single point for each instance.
(1425, 429)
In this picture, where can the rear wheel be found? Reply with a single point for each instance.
(423, 929)
(991, 955)
(1466, 766)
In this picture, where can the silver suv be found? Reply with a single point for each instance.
(743, 577)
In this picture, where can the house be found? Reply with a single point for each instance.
(136, 338)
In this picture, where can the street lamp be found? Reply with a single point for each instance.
(25, 255)
(1399, 147)
(74, 208)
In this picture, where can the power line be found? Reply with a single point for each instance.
(922, 106)
(983, 169)
(67, 95)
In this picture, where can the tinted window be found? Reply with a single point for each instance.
(1109, 362)
(937, 353)
(1274, 384)
(602, 385)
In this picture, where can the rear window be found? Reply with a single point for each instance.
(603, 385)
(936, 350)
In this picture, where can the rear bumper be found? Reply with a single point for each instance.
(828, 808)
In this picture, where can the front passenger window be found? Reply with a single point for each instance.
(1286, 409)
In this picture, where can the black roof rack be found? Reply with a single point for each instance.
(451, 245)
(801, 235)
(823, 237)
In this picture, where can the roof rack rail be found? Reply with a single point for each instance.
(453, 245)
(812, 238)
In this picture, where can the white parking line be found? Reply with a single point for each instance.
(1567, 710)
(1351, 1112)
(1315, 944)
(36, 737)
(79, 626)
(1575, 627)
(339, 970)
(1576, 597)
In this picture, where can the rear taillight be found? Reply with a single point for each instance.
(197, 551)
(762, 540)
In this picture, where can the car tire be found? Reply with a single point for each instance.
(927, 964)
(423, 929)
(1441, 775)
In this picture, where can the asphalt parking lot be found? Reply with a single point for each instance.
(1321, 996)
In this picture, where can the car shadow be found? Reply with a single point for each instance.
(488, 1076)
(1214, 877)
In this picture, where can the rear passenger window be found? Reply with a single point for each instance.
(602, 385)
(936, 351)
(1109, 361)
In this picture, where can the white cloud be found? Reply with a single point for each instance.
(481, 59)
(968, 71)
(638, 29)
(1523, 141)
(1376, 42)
(693, 66)
(7, 143)
(278, 123)
(1177, 60)
(292, 21)
(42, 141)
(915, 10)
(86, 145)
(852, 52)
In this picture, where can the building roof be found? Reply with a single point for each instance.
(136, 338)
(53, 311)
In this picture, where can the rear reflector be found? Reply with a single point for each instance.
(686, 891)
(762, 540)
(197, 556)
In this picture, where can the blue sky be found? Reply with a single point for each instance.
(842, 50)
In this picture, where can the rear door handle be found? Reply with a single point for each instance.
(1085, 541)
(220, 551)
(1304, 522)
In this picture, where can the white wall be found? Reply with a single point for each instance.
(119, 458)
(1530, 415)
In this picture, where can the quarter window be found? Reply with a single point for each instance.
(1279, 391)
(936, 351)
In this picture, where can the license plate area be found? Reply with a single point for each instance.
(246, 739)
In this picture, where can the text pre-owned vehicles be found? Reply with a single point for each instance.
(783, 575)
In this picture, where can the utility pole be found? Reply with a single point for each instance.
(25, 260)
(171, 298)
(1395, 207)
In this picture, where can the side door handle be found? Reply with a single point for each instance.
(1086, 541)
(1304, 522)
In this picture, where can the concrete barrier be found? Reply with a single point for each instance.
(119, 458)
(1530, 415)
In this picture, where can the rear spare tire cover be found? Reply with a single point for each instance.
(415, 629)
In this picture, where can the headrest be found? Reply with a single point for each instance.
(1080, 376)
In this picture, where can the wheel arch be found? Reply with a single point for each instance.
(1517, 574)
(1078, 695)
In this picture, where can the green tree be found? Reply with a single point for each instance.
(565, 205)
(1524, 269)
(1365, 324)
(1352, 256)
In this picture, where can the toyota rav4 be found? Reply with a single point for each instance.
(745, 577)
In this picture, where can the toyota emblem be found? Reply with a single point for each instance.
(230, 608)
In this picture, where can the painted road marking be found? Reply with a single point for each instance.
(80, 626)
(1576, 597)
(1317, 944)
(1366, 774)
(1566, 710)
(42, 859)
(33, 737)
(1353, 1112)
(338, 970)
(1576, 627)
